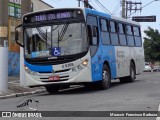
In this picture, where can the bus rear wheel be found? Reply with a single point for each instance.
(131, 77)
(106, 78)
(52, 89)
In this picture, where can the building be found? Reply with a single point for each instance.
(10, 16)
(39, 5)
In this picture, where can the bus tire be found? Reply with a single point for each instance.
(106, 78)
(52, 89)
(131, 77)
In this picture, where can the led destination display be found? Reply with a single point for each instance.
(52, 15)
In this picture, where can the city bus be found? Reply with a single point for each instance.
(73, 46)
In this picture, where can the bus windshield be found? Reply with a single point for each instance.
(60, 39)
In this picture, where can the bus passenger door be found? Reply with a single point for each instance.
(95, 52)
(95, 49)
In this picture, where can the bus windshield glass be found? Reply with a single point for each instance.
(58, 39)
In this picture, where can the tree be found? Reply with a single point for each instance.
(152, 45)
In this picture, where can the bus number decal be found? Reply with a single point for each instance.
(69, 65)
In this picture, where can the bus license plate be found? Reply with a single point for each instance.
(54, 78)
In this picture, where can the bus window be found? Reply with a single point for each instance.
(129, 32)
(113, 33)
(104, 32)
(89, 34)
(92, 30)
(104, 25)
(137, 36)
(92, 35)
(122, 37)
(95, 35)
(91, 20)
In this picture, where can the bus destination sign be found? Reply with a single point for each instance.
(48, 16)
(52, 16)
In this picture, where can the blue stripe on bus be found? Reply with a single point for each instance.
(96, 66)
(104, 53)
(109, 55)
(38, 68)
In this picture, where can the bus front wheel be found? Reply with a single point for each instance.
(52, 89)
(106, 78)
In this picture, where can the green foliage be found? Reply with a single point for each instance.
(152, 45)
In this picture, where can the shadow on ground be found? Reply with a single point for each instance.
(85, 90)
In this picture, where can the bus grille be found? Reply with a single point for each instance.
(50, 62)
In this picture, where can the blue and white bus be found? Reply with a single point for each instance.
(70, 46)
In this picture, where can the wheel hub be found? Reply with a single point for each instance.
(105, 77)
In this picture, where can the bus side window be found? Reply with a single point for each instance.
(105, 31)
(92, 35)
(113, 33)
(129, 32)
(95, 36)
(137, 36)
(92, 26)
(89, 34)
(122, 37)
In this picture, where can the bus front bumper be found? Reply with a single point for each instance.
(68, 77)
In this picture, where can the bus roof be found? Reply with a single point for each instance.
(90, 11)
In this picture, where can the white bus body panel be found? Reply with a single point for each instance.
(81, 76)
(124, 55)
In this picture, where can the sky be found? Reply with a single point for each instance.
(114, 7)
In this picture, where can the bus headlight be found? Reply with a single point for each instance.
(29, 71)
(81, 66)
(26, 68)
(85, 62)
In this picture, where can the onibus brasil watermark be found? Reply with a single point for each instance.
(23, 114)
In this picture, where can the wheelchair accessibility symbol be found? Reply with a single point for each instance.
(56, 51)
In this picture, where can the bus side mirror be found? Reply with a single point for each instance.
(17, 35)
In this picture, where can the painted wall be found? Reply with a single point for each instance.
(13, 63)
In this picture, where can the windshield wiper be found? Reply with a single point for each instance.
(43, 35)
(52, 33)
(63, 31)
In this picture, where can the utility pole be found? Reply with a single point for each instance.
(123, 9)
(127, 6)
(3, 46)
(79, 3)
(130, 5)
(86, 5)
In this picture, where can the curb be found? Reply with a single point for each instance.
(23, 94)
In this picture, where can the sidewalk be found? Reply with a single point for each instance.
(16, 90)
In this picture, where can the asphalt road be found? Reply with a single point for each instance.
(142, 95)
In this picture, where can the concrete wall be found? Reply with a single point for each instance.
(39, 5)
